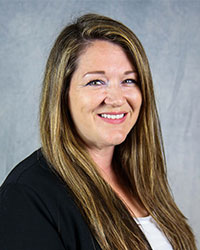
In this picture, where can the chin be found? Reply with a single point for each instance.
(117, 139)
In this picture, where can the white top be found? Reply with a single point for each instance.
(154, 235)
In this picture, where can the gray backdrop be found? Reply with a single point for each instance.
(170, 33)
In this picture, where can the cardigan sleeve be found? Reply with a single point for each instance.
(38, 211)
(25, 223)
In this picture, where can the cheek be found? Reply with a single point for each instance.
(135, 98)
(83, 104)
(74, 106)
(89, 101)
(139, 99)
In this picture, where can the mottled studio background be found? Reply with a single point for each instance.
(170, 33)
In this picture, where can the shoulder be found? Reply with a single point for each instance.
(35, 198)
(36, 179)
(34, 182)
(36, 174)
(31, 169)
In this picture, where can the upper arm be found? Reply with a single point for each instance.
(25, 222)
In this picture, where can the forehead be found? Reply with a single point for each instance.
(103, 54)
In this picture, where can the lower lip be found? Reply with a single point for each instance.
(114, 121)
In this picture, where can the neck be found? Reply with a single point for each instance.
(103, 159)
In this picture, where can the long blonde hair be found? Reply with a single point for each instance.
(140, 158)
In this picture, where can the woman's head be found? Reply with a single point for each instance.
(104, 96)
(69, 47)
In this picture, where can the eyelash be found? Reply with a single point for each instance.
(130, 81)
(94, 82)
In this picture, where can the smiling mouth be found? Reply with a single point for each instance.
(112, 116)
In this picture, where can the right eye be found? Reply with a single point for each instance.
(95, 83)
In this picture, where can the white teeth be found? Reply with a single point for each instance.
(112, 116)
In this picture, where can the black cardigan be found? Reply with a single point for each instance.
(37, 211)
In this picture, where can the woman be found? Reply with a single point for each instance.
(99, 181)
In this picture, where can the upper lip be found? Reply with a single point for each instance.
(113, 113)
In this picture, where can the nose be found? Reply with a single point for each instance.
(114, 96)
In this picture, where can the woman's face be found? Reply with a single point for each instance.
(104, 98)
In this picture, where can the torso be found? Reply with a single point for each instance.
(132, 204)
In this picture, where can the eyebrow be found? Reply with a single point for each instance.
(103, 72)
(94, 72)
(130, 72)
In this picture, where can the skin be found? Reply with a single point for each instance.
(105, 82)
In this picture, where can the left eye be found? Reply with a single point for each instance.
(129, 81)
(95, 83)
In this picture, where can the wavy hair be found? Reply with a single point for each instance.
(139, 159)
